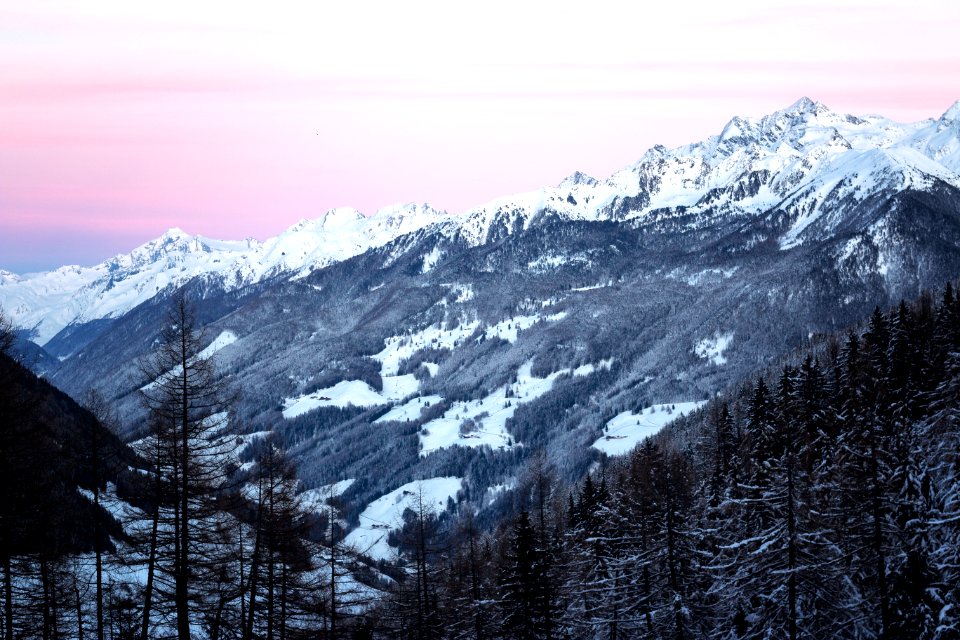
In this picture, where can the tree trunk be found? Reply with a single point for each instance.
(791, 550)
(218, 617)
(283, 600)
(182, 588)
(254, 571)
(151, 569)
(95, 472)
(333, 579)
(45, 584)
(881, 557)
(270, 587)
(79, 605)
(243, 586)
(672, 562)
(7, 597)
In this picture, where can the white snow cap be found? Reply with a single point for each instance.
(953, 113)
(340, 217)
(804, 157)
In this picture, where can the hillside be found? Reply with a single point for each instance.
(456, 346)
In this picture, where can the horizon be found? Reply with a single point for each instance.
(230, 122)
(369, 214)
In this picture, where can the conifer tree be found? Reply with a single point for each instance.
(187, 403)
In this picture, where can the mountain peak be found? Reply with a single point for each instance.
(175, 233)
(953, 113)
(341, 217)
(578, 177)
(805, 106)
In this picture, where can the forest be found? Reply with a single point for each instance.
(819, 499)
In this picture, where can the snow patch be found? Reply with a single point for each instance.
(587, 369)
(410, 411)
(476, 423)
(316, 499)
(225, 339)
(591, 287)
(712, 348)
(386, 513)
(626, 430)
(399, 348)
(352, 393)
(431, 259)
(707, 275)
(509, 329)
(546, 263)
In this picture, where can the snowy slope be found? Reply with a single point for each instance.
(626, 430)
(385, 514)
(803, 160)
(47, 302)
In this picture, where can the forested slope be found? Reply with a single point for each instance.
(821, 500)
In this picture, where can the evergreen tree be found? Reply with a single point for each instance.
(524, 600)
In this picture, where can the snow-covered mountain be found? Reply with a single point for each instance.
(45, 303)
(413, 345)
(806, 161)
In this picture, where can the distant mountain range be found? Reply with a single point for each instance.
(803, 160)
(415, 345)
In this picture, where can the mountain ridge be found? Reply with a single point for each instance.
(753, 164)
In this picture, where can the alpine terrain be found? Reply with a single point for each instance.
(417, 366)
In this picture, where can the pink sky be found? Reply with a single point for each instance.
(119, 120)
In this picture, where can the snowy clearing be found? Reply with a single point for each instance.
(399, 348)
(409, 411)
(352, 392)
(712, 348)
(386, 513)
(626, 430)
(592, 287)
(225, 339)
(475, 423)
(510, 328)
(316, 499)
(431, 259)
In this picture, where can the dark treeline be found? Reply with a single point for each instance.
(819, 501)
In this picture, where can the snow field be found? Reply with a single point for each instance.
(712, 348)
(486, 418)
(431, 259)
(397, 388)
(225, 339)
(592, 287)
(509, 329)
(409, 411)
(386, 513)
(316, 499)
(352, 392)
(626, 430)
(399, 348)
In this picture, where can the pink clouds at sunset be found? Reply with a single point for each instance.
(232, 119)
